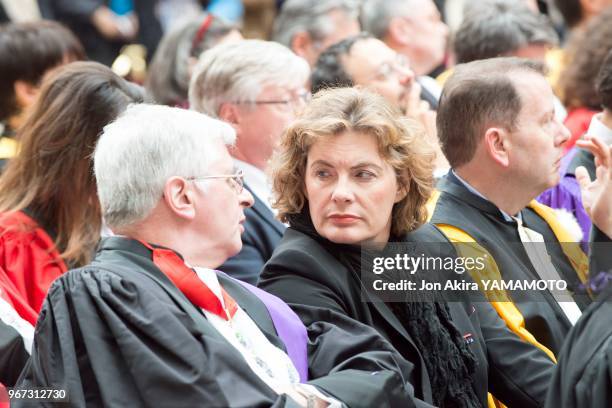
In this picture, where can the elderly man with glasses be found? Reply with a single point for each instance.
(151, 323)
(257, 87)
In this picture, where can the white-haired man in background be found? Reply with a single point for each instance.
(413, 28)
(257, 87)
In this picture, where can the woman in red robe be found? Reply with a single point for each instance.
(49, 213)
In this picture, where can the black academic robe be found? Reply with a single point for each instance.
(118, 333)
(483, 221)
(514, 371)
(13, 354)
(583, 377)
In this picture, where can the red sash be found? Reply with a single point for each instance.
(188, 282)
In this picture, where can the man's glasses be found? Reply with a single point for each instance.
(387, 70)
(300, 97)
(237, 179)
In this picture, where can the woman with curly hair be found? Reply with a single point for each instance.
(585, 54)
(50, 218)
(352, 179)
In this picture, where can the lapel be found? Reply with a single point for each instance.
(252, 306)
(453, 186)
(394, 322)
(137, 254)
(265, 213)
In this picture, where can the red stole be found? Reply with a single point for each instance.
(188, 282)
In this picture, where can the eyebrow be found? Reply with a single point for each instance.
(357, 166)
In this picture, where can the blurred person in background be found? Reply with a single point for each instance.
(577, 13)
(173, 63)
(365, 61)
(413, 28)
(257, 87)
(503, 28)
(27, 52)
(308, 27)
(17, 11)
(105, 26)
(50, 218)
(585, 53)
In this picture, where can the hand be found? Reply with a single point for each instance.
(597, 194)
(302, 397)
(112, 26)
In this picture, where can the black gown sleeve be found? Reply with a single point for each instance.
(519, 372)
(353, 363)
(13, 354)
(110, 342)
(354, 344)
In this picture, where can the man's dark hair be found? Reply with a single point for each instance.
(27, 51)
(495, 28)
(603, 83)
(571, 10)
(478, 95)
(329, 71)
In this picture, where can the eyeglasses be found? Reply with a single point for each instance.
(388, 69)
(237, 179)
(301, 97)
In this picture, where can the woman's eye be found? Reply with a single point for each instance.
(365, 175)
(322, 173)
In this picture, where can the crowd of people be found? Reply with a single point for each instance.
(203, 238)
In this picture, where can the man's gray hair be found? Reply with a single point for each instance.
(494, 28)
(145, 146)
(237, 72)
(311, 16)
(376, 15)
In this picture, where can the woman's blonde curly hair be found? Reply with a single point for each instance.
(401, 142)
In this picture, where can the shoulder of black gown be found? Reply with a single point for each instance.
(116, 340)
(584, 369)
(302, 271)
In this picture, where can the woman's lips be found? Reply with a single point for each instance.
(343, 219)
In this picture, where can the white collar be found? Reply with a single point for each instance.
(597, 128)
(256, 180)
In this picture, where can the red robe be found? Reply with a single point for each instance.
(577, 121)
(29, 263)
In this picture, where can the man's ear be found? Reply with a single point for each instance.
(25, 93)
(301, 44)
(229, 113)
(179, 197)
(497, 144)
(397, 33)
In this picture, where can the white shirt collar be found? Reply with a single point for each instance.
(597, 128)
(256, 180)
(467, 185)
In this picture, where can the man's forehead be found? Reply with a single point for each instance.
(365, 55)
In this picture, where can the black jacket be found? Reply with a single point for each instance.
(583, 377)
(118, 333)
(303, 272)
